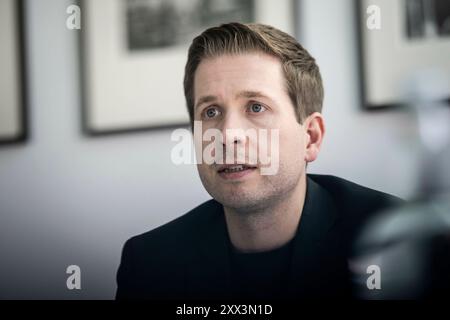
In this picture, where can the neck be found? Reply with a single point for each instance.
(270, 227)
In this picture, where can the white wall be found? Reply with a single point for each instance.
(371, 148)
(69, 199)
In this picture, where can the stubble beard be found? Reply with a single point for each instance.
(243, 198)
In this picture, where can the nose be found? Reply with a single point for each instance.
(233, 129)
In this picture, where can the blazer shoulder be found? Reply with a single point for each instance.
(151, 262)
(355, 204)
(179, 231)
(352, 197)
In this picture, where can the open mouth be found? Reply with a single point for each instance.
(235, 171)
(235, 168)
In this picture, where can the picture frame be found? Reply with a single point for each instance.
(135, 85)
(397, 51)
(13, 93)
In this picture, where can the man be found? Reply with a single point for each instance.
(283, 235)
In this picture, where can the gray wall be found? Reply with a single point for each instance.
(69, 199)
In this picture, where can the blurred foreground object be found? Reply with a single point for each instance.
(405, 253)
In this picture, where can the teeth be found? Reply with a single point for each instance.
(234, 169)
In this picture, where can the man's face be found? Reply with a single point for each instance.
(248, 92)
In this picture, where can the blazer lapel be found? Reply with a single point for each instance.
(209, 272)
(311, 242)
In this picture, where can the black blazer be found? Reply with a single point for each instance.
(188, 258)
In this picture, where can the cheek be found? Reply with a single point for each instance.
(292, 145)
(203, 170)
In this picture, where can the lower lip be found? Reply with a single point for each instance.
(237, 174)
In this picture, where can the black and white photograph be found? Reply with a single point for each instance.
(132, 58)
(411, 43)
(163, 23)
(427, 18)
(12, 76)
(224, 157)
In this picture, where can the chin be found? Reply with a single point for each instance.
(240, 201)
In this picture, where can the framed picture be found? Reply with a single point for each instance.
(13, 126)
(133, 54)
(413, 37)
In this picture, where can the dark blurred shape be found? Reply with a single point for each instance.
(155, 24)
(411, 245)
(427, 18)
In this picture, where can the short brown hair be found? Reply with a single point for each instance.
(303, 80)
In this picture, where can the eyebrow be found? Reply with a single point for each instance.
(243, 94)
(205, 99)
(251, 94)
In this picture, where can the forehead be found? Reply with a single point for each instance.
(228, 74)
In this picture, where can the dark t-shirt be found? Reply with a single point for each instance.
(261, 275)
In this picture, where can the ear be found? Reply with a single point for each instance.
(315, 130)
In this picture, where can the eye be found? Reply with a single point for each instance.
(211, 112)
(257, 108)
